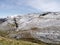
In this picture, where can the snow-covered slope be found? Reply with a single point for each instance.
(44, 26)
(29, 21)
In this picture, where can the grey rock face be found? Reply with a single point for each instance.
(48, 35)
(44, 27)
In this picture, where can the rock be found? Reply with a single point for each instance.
(48, 35)
(44, 27)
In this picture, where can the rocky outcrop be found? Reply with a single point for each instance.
(44, 27)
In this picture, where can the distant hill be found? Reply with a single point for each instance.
(2, 20)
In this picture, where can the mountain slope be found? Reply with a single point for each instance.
(44, 27)
(6, 41)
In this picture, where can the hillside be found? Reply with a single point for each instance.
(6, 41)
(43, 27)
